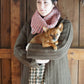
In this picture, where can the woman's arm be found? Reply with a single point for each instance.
(20, 46)
(65, 41)
(66, 37)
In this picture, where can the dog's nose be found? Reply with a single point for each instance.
(54, 38)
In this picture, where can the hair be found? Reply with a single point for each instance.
(56, 5)
(53, 1)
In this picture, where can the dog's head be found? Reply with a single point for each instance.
(53, 33)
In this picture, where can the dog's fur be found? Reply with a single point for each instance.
(49, 37)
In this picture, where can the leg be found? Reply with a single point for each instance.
(49, 44)
(54, 46)
(56, 43)
(46, 44)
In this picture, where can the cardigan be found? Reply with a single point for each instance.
(57, 70)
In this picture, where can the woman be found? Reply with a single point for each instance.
(54, 69)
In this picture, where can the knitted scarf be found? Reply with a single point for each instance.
(49, 21)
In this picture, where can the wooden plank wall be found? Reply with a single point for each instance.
(70, 11)
(0, 72)
(74, 11)
(0, 45)
(14, 13)
(81, 63)
(81, 25)
(15, 28)
(18, 18)
(30, 9)
(5, 24)
(23, 12)
(5, 64)
(0, 21)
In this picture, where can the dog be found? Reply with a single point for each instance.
(49, 37)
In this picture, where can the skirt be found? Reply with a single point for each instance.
(37, 75)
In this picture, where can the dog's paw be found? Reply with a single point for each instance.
(55, 48)
(56, 43)
(27, 46)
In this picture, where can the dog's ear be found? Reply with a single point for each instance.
(45, 29)
(60, 26)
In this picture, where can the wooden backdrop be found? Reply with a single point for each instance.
(14, 13)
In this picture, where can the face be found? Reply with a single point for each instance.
(53, 34)
(44, 7)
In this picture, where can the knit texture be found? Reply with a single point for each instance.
(49, 21)
(36, 51)
(57, 70)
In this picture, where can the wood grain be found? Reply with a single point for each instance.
(0, 23)
(81, 25)
(15, 28)
(81, 72)
(31, 8)
(73, 65)
(70, 10)
(0, 71)
(5, 23)
(6, 71)
(16, 16)
(23, 12)
(76, 54)
(5, 53)
(28, 11)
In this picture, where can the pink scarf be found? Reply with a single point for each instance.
(49, 21)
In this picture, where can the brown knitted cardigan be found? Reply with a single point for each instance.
(57, 70)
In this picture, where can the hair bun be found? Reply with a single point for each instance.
(54, 0)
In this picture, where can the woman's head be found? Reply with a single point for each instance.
(44, 7)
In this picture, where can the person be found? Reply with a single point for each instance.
(54, 69)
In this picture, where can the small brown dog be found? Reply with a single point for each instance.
(49, 37)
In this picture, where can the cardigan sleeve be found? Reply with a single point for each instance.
(20, 46)
(65, 39)
(37, 52)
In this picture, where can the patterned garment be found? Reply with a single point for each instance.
(37, 75)
(49, 21)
